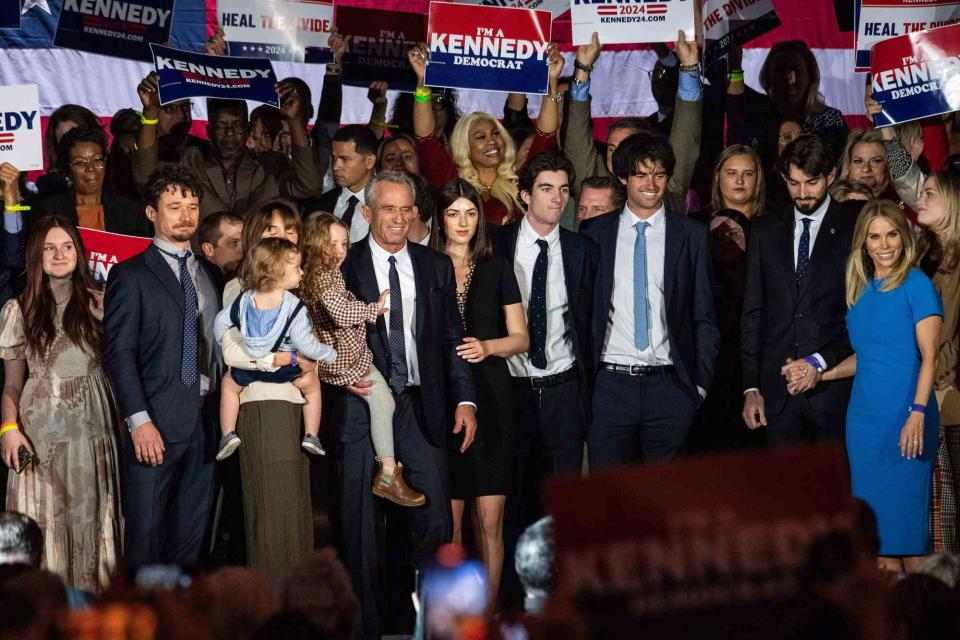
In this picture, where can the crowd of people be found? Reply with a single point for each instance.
(479, 302)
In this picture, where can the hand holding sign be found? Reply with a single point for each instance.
(149, 97)
(555, 63)
(10, 182)
(216, 44)
(687, 51)
(377, 93)
(587, 55)
(338, 46)
(418, 61)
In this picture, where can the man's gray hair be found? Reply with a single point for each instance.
(393, 177)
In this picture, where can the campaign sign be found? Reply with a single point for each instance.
(106, 249)
(734, 22)
(488, 48)
(698, 548)
(632, 21)
(376, 46)
(883, 19)
(114, 27)
(275, 29)
(556, 7)
(10, 14)
(20, 141)
(916, 75)
(183, 74)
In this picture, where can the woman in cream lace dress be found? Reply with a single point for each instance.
(64, 413)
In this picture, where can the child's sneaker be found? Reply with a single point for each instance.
(311, 444)
(395, 489)
(228, 444)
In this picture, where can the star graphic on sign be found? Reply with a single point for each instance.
(40, 4)
(260, 49)
(244, 47)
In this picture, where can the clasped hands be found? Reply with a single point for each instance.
(800, 375)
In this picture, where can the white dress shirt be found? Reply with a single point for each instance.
(359, 227)
(817, 217)
(619, 345)
(408, 287)
(559, 341)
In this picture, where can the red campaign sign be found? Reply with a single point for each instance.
(377, 43)
(685, 549)
(488, 48)
(106, 249)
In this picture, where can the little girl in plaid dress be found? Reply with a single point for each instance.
(340, 319)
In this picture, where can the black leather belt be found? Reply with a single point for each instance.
(637, 369)
(549, 381)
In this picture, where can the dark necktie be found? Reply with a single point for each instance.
(537, 312)
(803, 252)
(347, 216)
(398, 349)
(188, 349)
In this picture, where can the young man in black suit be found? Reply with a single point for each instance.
(655, 334)
(159, 309)
(414, 346)
(795, 303)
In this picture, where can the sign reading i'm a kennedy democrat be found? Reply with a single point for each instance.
(916, 75)
(118, 28)
(631, 21)
(183, 74)
(487, 48)
(20, 142)
(883, 19)
(376, 46)
(730, 22)
(276, 29)
(105, 249)
(10, 14)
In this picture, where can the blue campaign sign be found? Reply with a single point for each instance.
(488, 48)
(10, 14)
(114, 27)
(183, 74)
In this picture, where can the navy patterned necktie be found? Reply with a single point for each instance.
(398, 349)
(803, 252)
(347, 217)
(189, 352)
(537, 312)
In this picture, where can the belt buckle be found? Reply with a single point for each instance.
(636, 370)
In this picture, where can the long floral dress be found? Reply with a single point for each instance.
(69, 413)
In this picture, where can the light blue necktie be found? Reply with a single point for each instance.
(641, 322)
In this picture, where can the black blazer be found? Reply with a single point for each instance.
(439, 331)
(326, 202)
(780, 323)
(142, 329)
(120, 214)
(580, 258)
(692, 331)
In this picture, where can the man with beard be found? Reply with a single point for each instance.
(158, 349)
(233, 177)
(795, 303)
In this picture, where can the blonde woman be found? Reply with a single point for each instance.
(892, 427)
(481, 150)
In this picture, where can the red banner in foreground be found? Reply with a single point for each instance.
(106, 249)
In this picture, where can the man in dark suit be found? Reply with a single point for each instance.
(655, 334)
(414, 347)
(353, 156)
(158, 333)
(795, 303)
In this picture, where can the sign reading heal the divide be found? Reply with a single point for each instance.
(733, 22)
(878, 20)
(276, 29)
(105, 249)
(184, 74)
(916, 75)
(376, 46)
(20, 141)
(632, 21)
(487, 48)
(118, 28)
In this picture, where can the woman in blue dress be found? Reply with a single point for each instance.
(892, 427)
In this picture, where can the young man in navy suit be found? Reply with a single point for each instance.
(159, 350)
(655, 333)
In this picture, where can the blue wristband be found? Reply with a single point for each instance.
(918, 408)
(293, 358)
(813, 362)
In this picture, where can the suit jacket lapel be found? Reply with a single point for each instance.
(826, 238)
(420, 273)
(367, 277)
(608, 257)
(511, 242)
(674, 243)
(572, 257)
(164, 273)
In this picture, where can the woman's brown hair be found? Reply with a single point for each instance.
(457, 188)
(257, 220)
(37, 302)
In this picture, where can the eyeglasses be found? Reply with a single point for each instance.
(171, 109)
(224, 128)
(86, 164)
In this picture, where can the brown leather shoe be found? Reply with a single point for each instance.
(395, 489)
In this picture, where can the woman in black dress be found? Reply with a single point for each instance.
(492, 314)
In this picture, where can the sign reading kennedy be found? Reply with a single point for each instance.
(275, 29)
(631, 21)
(883, 19)
(916, 75)
(114, 27)
(488, 48)
(20, 141)
(183, 74)
(376, 46)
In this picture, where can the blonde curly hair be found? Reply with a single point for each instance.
(504, 187)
